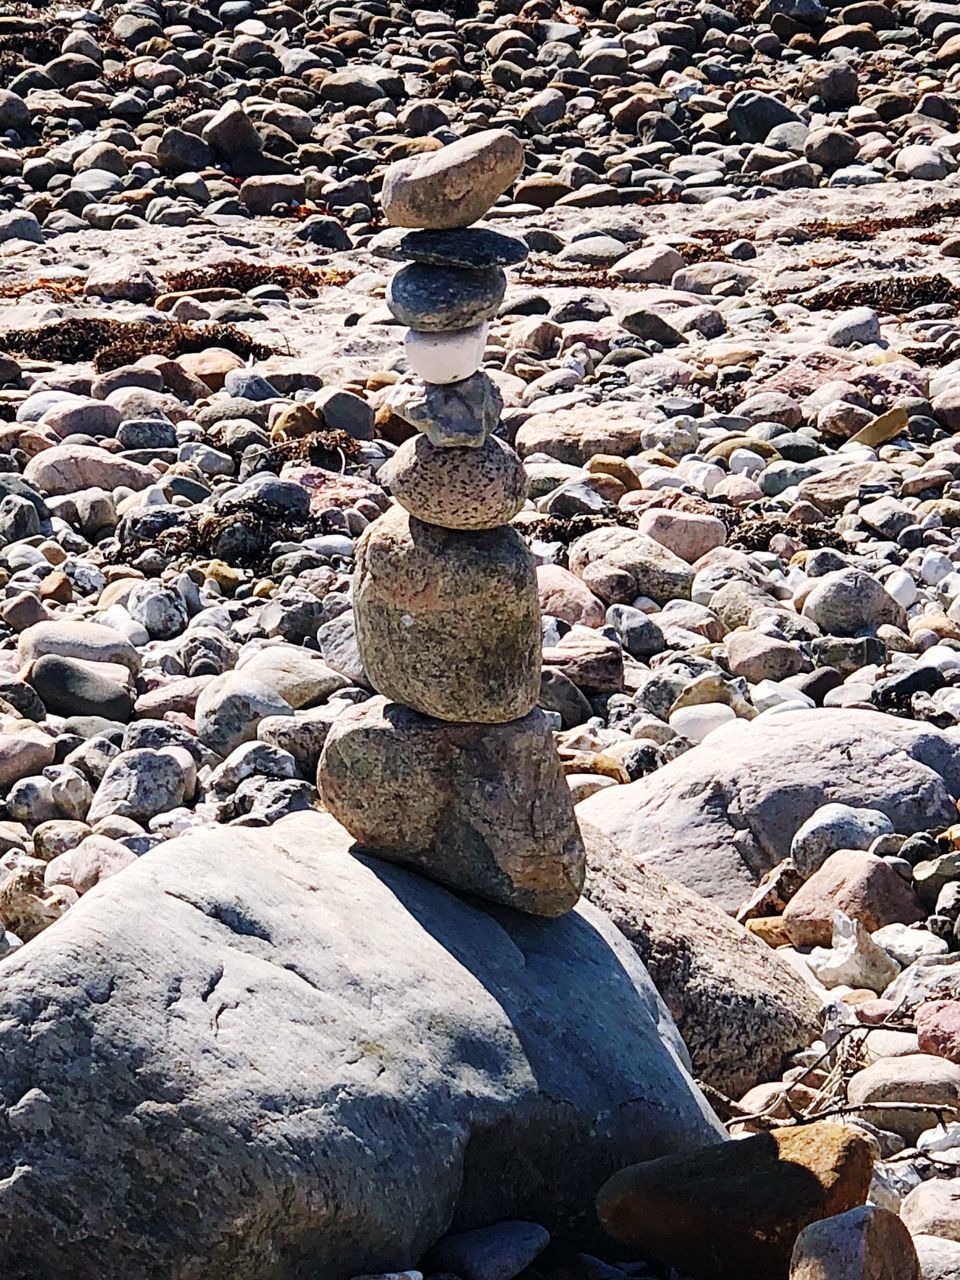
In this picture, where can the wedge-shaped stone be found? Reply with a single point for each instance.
(454, 186)
(461, 414)
(481, 808)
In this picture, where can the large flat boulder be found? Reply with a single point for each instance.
(720, 816)
(739, 1007)
(268, 1057)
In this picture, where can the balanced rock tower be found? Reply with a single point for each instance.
(453, 770)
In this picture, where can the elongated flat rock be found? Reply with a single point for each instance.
(735, 1211)
(454, 186)
(462, 247)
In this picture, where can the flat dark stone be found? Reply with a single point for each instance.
(444, 299)
(473, 247)
(70, 687)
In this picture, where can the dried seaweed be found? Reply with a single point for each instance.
(244, 276)
(11, 64)
(199, 537)
(890, 295)
(319, 449)
(715, 238)
(120, 79)
(112, 343)
(868, 228)
(185, 104)
(565, 529)
(61, 288)
(29, 48)
(753, 532)
(545, 272)
(864, 229)
(35, 9)
(928, 357)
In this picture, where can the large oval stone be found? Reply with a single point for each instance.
(448, 622)
(306, 1063)
(454, 186)
(457, 488)
(484, 808)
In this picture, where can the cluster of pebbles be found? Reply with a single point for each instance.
(172, 113)
(481, 551)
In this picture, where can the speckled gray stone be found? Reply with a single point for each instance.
(448, 622)
(457, 488)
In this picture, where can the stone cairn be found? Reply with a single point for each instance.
(453, 769)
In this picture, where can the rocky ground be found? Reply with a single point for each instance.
(731, 366)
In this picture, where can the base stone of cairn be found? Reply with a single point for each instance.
(453, 770)
(485, 809)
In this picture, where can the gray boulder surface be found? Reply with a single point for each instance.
(739, 1007)
(722, 815)
(264, 1057)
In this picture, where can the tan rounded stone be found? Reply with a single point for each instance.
(454, 186)
(295, 422)
(448, 622)
(461, 488)
(726, 447)
(918, 1078)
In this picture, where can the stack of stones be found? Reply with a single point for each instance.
(453, 769)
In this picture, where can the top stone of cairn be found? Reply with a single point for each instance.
(454, 186)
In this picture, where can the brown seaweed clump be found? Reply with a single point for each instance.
(245, 276)
(112, 343)
(890, 295)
